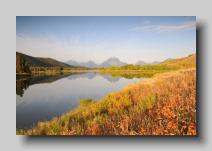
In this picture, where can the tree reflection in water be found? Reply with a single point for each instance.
(22, 83)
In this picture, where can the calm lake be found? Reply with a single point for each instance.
(41, 98)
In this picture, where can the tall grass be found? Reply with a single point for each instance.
(162, 105)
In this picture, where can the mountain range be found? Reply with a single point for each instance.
(49, 62)
(112, 61)
(89, 64)
(141, 63)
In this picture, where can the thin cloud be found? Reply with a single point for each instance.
(165, 28)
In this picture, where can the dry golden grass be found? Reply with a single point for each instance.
(185, 62)
(162, 105)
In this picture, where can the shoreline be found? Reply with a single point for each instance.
(45, 128)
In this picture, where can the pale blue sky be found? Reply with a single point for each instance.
(98, 38)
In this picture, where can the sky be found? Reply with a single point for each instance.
(97, 38)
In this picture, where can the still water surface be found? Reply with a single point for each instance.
(42, 98)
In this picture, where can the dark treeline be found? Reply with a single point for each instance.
(21, 66)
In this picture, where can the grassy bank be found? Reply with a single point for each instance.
(132, 73)
(162, 105)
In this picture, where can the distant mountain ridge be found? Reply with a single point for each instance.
(89, 64)
(113, 61)
(141, 63)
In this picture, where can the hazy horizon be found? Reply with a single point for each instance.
(98, 38)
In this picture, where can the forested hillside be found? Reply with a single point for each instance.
(40, 62)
